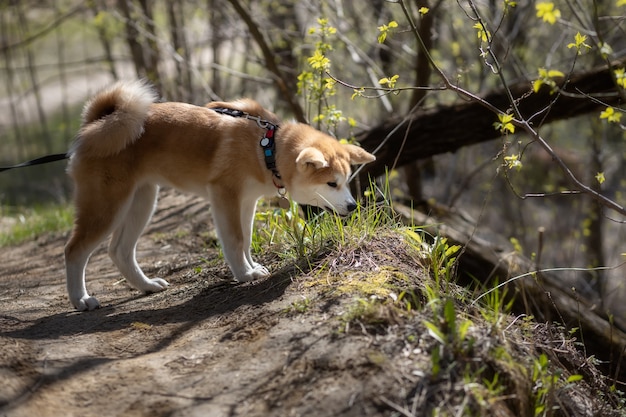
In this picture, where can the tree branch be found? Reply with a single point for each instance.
(446, 129)
(43, 32)
(270, 62)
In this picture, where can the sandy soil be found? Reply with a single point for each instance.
(206, 346)
(278, 347)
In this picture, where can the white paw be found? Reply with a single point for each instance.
(258, 272)
(154, 285)
(261, 271)
(85, 303)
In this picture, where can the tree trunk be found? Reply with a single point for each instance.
(62, 65)
(32, 73)
(270, 61)
(413, 170)
(152, 53)
(104, 40)
(144, 51)
(183, 90)
(9, 85)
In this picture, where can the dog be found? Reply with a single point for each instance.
(231, 153)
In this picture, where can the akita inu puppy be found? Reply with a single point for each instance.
(231, 153)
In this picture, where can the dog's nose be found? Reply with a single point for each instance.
(351, 207)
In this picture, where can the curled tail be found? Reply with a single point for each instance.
(114, 118)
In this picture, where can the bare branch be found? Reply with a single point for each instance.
(270, 61)
(43, 32)
(431, 132)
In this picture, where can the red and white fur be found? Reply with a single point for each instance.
(129, 145)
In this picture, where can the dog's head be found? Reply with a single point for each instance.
(322, 171)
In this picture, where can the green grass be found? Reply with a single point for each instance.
(290, 235)
(396, 279)
(18, 226)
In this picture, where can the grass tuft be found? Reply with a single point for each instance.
(31, 223)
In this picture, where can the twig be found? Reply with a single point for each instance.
(397, 407)
(519, 121)
(531, 273)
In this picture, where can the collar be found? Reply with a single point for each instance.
(267, 144)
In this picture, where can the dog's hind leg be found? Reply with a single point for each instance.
(77, 253)
(123, 244)
(96, 216)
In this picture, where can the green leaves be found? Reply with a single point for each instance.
(579, 43)
(611, 115)
(600, 177)
(547, 12)
(451, 332)
(513, 161)
(385, 29)
(505, 124)
(574, 378)
(325, 28)
(620, 77)
(318, 61)
(435, 332)
(315, 83)
(483, 34)
(546, 77)
(389, 82)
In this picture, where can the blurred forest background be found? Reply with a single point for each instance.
(425, 84)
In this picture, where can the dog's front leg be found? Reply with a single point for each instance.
(233, 219)
(248, 208)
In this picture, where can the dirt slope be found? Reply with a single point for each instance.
(211, 347)
(207, 346)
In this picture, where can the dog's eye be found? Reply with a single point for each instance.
(332, 184)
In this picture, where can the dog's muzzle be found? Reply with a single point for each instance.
(350, 207)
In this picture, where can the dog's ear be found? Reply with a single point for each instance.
(359, 155)
(313, 157)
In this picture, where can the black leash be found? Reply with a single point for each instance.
(267, 143)
(43, 160)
